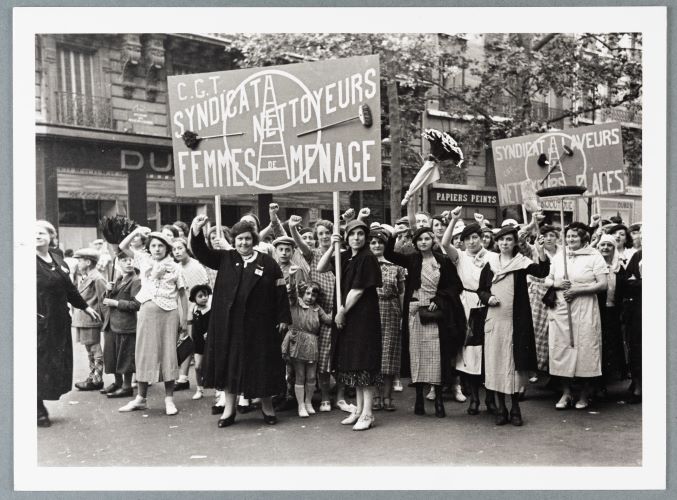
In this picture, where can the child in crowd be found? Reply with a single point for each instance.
(92, 287)
(119, 328)
(300, 346)
(198, 324)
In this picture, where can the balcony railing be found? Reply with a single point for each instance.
(83, 110)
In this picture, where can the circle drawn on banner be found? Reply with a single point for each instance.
(570, 168)
(272, 143)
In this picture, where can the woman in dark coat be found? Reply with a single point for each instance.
(632, 293)
(509, 343)
(250, 313)
(358, 344)
(450, 325)
(55, 291)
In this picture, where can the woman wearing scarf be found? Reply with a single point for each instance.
(610, 302)
(576, 353)
(434, 315)
(469, 264)
(509, 346)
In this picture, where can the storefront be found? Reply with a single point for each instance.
(83, 175)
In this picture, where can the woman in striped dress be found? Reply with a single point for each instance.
(393, 277)
(327, 282)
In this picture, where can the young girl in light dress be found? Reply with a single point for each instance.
(300, 344)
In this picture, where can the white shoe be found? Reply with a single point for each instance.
(170, 407)
(303, 413)
(431, 394)
(135, 404)
(397, 385)
(363, 423)
(351, 419)
(343, 406)
(458, 395)
(198, 394)
(325, 406)
(310, 409)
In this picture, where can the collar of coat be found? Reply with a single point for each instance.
(500, 271)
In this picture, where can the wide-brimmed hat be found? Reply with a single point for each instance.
(284, 240)
(87, 253)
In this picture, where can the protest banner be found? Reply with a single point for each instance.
(585, 156)
(308, 127)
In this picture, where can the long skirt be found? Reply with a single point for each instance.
(157, 333)
(424, 349)
(539, 315)
(391, 335)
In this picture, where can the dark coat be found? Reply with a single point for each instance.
(55, 291)
(122, 319)
(523, 340)
(452, 328)
(257, 341)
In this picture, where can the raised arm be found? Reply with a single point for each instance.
(389, 251)
(124, 244)
(451, 252)
(303, 247)
(275, 227)
(204, 254)
(325, 262)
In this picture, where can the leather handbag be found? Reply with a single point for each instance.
(184, 348)
(427, 317)
(476, 320)
(550, 298)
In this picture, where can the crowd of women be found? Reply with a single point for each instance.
(446, 303)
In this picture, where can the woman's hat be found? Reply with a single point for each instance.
(420, 231)
(199, 288)
(379, 233)
(471, 229)
(607, 238)
(507, 230)
(637, 226)
(159, 236)
(509, 222)
(354, 224)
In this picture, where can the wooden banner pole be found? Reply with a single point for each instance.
(217, 216)
(566, 274)
(337, 249)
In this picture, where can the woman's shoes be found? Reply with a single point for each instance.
(431, 394)
(397, 385)
(303, 413)
(388, 404)
(138, 403)
(325, 406)
(198, 394)
(269, 419)
(474, 407)
(170, 407)
(343, 406)
(364, 422)
(227, 422)
(491, 407)
(439, 405)
(122, 392)
(109, 388)
(43, 418)
(310, 409)
(351, 419)
(516, 417)
(419, 408)
(582, 403)
(458, 394)
(502, 416)
(377, 405)
(217, 409)
(564, 402)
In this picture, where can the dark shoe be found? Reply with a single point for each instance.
(44, 421)
(182, 386)
(516, 417)
(109, 388)
(388, 404)
(217, 410)
(474, 407)
(439, 404)
(227, 422)
(121, 393)
(502, 417)
(286, 405)
(419, 407)
(269, 419)
(491, 407)
(88, 385)
(244, 409)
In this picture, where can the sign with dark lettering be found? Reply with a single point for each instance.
(586, 156)
(464, 197)
(308, 127)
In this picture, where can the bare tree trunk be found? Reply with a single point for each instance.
(395, 149)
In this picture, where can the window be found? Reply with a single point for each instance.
(79, 212)
(77, 99)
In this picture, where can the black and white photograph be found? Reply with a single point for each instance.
(317, 249)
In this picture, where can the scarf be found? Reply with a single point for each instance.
(517, 263)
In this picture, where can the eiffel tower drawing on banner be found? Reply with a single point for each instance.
(553, 157)
(271, 146)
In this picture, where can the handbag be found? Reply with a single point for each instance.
(184, 348)
(427, 317)
(550, 298)
(476, 320)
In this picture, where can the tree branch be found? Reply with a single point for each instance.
(567, 114)
(543, 42)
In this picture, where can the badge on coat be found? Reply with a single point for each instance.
(258, 271)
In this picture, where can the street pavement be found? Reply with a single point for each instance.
(88, 430)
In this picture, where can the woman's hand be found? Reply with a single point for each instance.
(540, 248)
(348, 215)
(563, 284)
(282, 328)
(92, 314)
(295, 220)
(198, 223)
(456, 213)
(273, 209)
(493, 301)
(479, 218)
(335, 238)
(340, 318)
(364, 213)
(432, 307)
(110, 302)
(571, 293)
